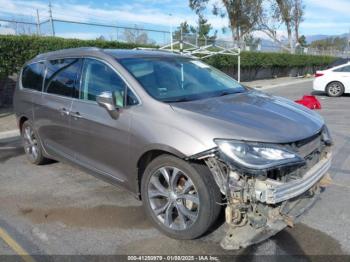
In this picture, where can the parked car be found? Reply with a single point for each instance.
(334, 81)
(180, 135)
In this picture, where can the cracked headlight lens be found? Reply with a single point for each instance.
(257, 155)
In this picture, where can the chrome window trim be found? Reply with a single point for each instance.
(43, 92)
(59, 96)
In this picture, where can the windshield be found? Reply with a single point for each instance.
(179, 79)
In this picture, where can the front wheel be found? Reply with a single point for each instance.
(180, 198)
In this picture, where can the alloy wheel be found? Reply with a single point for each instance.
(335, 89)
(173, 198)
(30, 143)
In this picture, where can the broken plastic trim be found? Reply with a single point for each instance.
(215, 152)
(272, 192)
(205, 154)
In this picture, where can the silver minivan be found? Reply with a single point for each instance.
(183, 137)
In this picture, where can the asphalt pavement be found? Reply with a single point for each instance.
(59, 209)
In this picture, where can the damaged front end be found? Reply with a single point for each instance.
(267, 187)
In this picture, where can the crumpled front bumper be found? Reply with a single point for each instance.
(287, 215)
(260, 206)
(286, 202)
(272, 192)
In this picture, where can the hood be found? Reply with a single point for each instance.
(252, 116)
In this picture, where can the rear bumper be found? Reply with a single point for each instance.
(272, 192)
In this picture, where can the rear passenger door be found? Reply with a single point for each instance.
(101, 142)
(53, 117)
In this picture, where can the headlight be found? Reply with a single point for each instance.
(257, 156)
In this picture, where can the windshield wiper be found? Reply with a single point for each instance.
(183, 99)
(225, 93)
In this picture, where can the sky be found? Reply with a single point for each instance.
(321, 16)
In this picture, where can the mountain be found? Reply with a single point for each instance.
(312, 38)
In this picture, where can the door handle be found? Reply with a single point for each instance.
(64, 111)
(76, 115)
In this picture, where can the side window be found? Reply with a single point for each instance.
(62, 77)
(343, 69)
(32, 76)
(97, 77)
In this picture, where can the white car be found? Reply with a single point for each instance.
(334, 81)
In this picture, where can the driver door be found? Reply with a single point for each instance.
(101, 143)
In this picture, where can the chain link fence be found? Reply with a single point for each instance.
(84, 30)
(139, 35)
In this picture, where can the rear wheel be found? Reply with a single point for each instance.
(32, 146)
(181, 199)
(335, 89)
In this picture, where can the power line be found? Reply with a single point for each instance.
(111, 26)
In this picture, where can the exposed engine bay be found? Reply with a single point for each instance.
(260, 202)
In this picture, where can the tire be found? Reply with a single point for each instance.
(186, 218)
(335, 89)
(32, 145)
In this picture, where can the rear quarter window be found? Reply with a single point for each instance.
(342, 69)
(32, 76)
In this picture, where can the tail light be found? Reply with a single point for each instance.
(319, 74)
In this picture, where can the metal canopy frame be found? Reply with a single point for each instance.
(202, 51)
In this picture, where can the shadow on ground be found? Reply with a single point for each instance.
(10, 148)
(300, 240)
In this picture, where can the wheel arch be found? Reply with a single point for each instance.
(21, 121)
(334, 81)
(150, 154)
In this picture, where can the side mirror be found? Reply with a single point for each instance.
(107, 100)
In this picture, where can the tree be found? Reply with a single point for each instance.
(298, 17)
(101, 38)
(252, 42)
(302, 41)
(243, 15)
(136, 36)
(202, 30)
(287, 12)
(331, 43)
(184, 28)
(284, 12)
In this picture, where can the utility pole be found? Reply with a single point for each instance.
(181, 41)
(171, 33)
(37, 23)
(51, 19)
(239, 65)
(348, 51)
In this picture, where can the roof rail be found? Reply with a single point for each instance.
(153, 49)
(69, 49)
(174, 51)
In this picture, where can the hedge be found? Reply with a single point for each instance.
(270, 60)
(16, 50)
